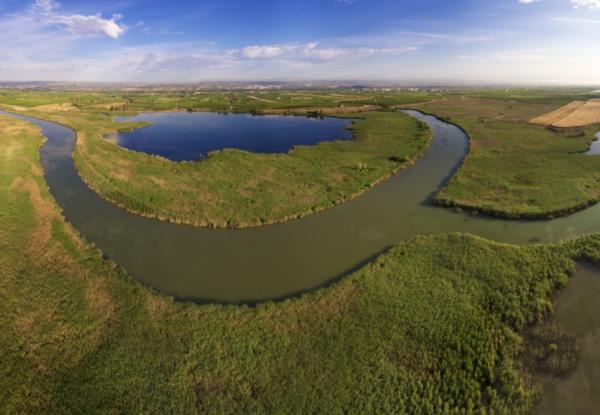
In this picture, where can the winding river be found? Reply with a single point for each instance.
(282, 260)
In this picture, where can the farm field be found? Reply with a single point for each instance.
(575, 114)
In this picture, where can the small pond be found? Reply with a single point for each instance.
(184, 136)
(595, 147)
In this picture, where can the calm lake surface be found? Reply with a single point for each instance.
(183, 136)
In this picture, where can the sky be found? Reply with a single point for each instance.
(466, 41)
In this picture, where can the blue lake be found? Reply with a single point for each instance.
(183, 136)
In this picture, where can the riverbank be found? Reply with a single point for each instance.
(236, 189)
(516, 170)
(431, 325)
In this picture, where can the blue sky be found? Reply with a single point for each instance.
(499, 41)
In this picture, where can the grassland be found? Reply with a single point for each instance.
(515, 169)
(432, 326)
(233, 188)
(557, 96)
(297, 101)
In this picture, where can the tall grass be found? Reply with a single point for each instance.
(515, 169)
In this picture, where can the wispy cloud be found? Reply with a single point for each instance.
(445, 37)
(48, 13)
(576, 20)
(45, 40)
(527, 56)
(313, 52)
(590, 4)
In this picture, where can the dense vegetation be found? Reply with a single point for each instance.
(515, 169)
(233, 188)
(557, 96)
(246, 101)
(432, 326)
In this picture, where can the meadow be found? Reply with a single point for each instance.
(219, 101)
(515, 169)
(233, 188)
(434, 325)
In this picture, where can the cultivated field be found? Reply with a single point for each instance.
(575, 114)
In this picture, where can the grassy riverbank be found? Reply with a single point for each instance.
(233, 188)
(432, 325)
(515, 169)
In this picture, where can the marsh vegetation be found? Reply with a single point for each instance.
(439, 324)
(515, 169)
(432, 325)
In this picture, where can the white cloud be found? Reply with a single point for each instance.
(46, 6)
(46, 11)
(575, 20)
(264, 52)
(312, 52)
(527, 56)
(90, 25)
(43, 42)
(590, 4)
(443, 37)
(528, 1)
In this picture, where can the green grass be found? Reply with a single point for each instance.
(515, 169)
(247, 101)
(233, 188)
(554, 96)
(432, 326)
